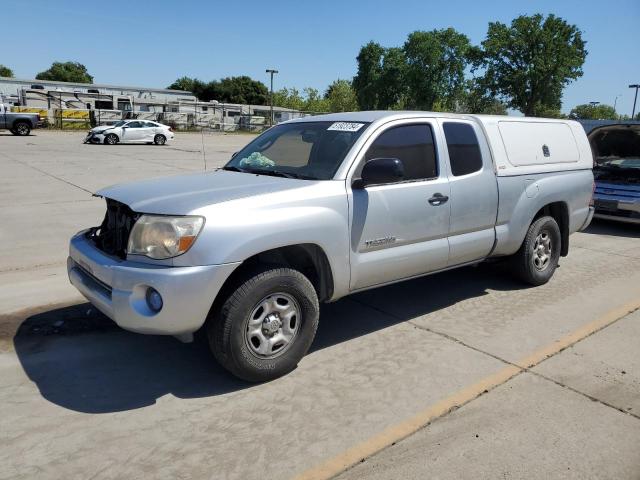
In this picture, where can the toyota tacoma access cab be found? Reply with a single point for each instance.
(18, 123)
(321, 207)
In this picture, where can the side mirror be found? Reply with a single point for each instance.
(380, 170)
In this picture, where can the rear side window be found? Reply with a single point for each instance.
(464, 150)
(413, 145)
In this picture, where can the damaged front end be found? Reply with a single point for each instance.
(112, 236)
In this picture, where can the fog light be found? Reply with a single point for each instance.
(154, 299)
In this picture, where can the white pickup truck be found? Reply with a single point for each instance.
(317, 208)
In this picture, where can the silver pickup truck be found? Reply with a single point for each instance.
(318, 208)
(18, 123)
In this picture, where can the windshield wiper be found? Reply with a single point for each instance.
(271, 173)
(231, 168)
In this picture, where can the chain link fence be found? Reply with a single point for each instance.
(243, 118)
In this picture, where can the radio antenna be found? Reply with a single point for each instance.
(204, 154)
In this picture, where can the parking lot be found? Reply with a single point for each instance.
(464, 374)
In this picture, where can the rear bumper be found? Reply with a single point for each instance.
(118, 288)
(587, 222)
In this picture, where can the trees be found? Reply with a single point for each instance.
(392, 89)
(435, 68)
(243, 89)
(427, 70)
(524, 66)
(530, 62)
(476, 99)
(288, 98)
(5, 71)
(66, 72)
(240, 89)
(594, 112)
(366, 83)
(340, 97)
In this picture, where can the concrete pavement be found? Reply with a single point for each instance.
(82, 398)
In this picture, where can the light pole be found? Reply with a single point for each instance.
(636, 86)
(271, 71)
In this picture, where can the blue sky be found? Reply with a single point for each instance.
(150, 43)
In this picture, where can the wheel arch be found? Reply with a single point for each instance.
(308, 258)
(559, 211)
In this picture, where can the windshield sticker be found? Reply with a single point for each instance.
(346, 126)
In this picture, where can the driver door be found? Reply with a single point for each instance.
(399, 230)
(133, 131)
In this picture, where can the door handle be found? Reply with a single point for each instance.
(438, 199)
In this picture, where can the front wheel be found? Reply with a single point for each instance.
(111, 139)
(538, 257)
(159, 139)
(266, 325)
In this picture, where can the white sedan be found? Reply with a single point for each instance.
(130, 131)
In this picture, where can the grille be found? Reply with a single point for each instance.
(112, 235)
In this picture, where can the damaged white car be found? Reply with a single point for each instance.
(131, 131)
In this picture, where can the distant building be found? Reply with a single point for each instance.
(48, 94)
(78, 104)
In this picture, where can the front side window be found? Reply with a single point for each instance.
(312, 150)
(464, 150)
(413, 145)
(134, 124)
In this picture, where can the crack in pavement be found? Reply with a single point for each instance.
(512, 364)
(45, 173)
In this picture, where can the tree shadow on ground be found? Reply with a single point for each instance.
(81, 360)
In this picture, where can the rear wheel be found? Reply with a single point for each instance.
(159, 139)
(21, 128)
(111, 139)
(538, 257)
(266, 325)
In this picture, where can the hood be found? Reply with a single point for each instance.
(616, 152)
(182, 194)
(102, 128)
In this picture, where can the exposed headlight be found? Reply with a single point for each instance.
(163, 237)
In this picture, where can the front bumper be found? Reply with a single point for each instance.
(94, 138)
(118, 287)
(620, 210)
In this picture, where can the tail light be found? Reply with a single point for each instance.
(38, 117)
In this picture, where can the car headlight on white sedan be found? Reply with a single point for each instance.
(160, 237)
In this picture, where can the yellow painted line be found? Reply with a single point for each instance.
(395, 433)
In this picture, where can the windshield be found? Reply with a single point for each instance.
(310, 150)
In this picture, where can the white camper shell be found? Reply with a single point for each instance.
(525, 145)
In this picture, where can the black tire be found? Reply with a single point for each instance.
(528, 262)
(22, 129)
(111, 139)
(228, 328)
(159, 139)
